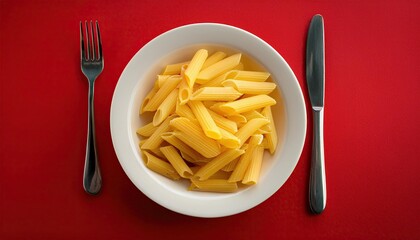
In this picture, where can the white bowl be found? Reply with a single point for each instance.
(178, 45)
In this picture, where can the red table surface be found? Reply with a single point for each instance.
(372, 125)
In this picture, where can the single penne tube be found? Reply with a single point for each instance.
(223, 122)
(184, 90)
(215, 108)
(214, 58)
(252, 174)
(217, 163)
(159, 166)
(204, 118)
(170, 84)
(216, 94)
(219, 68)
(155, 139)
(173, 69)
(146, 99)
(247, 104)
(213, 185)
(243, 162)
(271, 136)
(176, 161)
(228, 139)
(166, 108)
(256, 76)
(182, 147)
(141, 142)
(194, 136)
(250, 87)
(238, 118)
(158, 153)
(217, 82)
(146, 130)
(249, 129)
(195, 66)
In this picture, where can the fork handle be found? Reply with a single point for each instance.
(317, 185)
(92, 180)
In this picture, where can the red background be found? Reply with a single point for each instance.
(371, 120)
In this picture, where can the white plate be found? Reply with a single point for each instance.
(178, 45)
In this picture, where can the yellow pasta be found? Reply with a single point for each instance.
(219, 68)
(223, 122)
(252, 76)
(174, 69)
(182, 147)
(243, 162)
(217, 163)
(206, 121)
(155, 140)
(253, 172)
(195, 66)
(176, 161)
(249, 129)
(215, 94)
(247, 104)
(193, 135)
(159, 166)
(184, 111)
(147, 130)
(250, 87)
(146, 100)
(214, 58)
(213, 185)
(272, 135)
(228, 139)
(170, 84)
(166, 108)
(212, 122)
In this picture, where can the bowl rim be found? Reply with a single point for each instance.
(223, 205)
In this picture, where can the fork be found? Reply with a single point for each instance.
(92, 64)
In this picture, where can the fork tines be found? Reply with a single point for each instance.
(92, 49)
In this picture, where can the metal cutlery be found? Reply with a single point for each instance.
(92, 64)
(315, 77)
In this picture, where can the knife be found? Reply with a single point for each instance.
(315, 78)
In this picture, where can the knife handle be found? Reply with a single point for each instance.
(317, 186)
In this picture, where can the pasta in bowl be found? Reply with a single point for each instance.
(213, 122)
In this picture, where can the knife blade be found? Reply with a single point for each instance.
(315, 79)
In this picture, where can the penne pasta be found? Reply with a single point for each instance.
(213, 185)
(182, 147)
(247, 104)
(174, 69)
(161, 80)
(166, 108)
(250, 87)
(217, 82)
(159, 166)
(254, 168)
(147, 130)
(155, 140)
(170, 84)
(228, 139)
(252, 76)
(176, 161)
(216, 94)
(146, 100)
(193, 135)
(204, 118)
(219, 68)
(184, 111)
(195, 66)
(271, 136)
(252, 114)
(231, 166)
(223, 122)
(243, 162)
(184, 90)
(249, 129)
(217, 163)
(214, 58)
